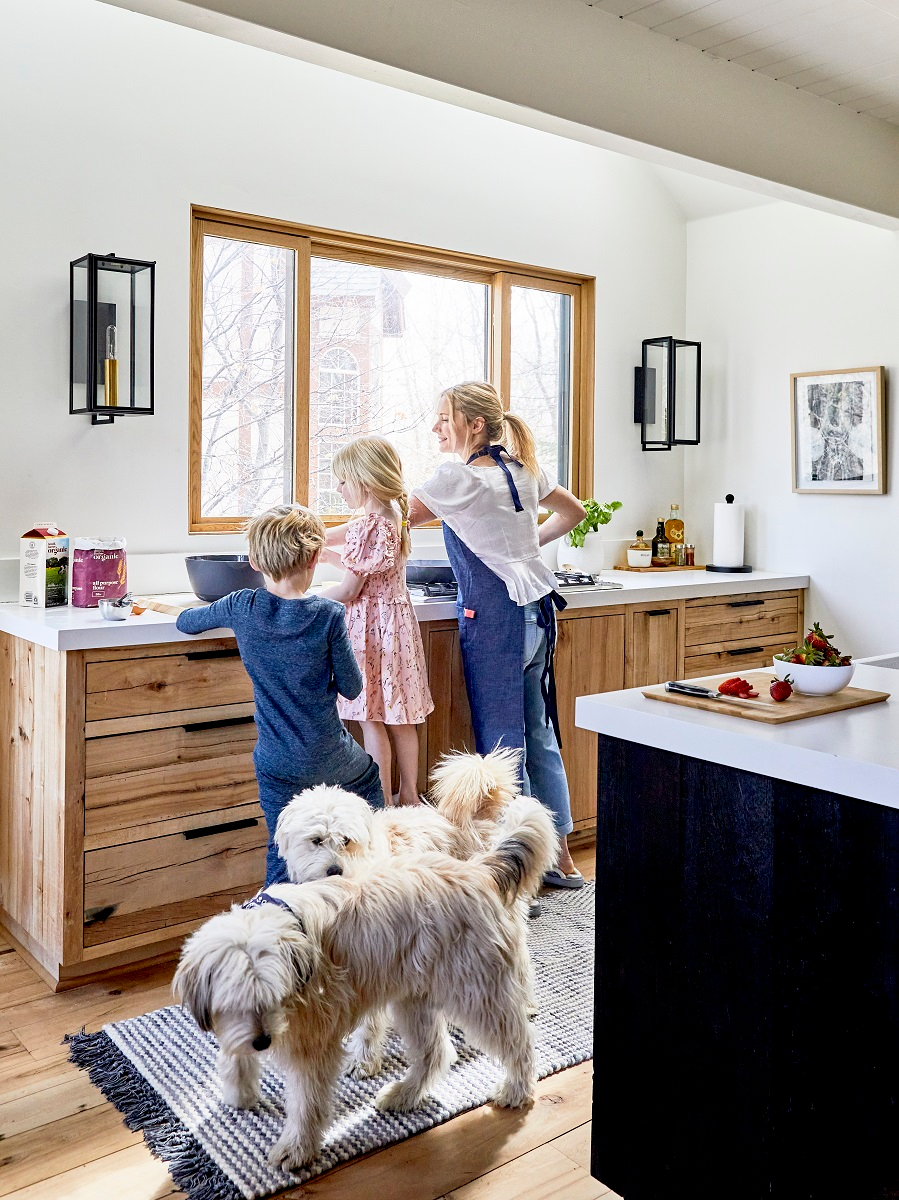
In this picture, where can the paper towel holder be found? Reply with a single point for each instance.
(667, 393)
(744, 569)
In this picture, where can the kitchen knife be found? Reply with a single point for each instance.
(692, 689)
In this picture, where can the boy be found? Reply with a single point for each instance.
(297, 653)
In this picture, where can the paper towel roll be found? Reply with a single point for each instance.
(727, 540)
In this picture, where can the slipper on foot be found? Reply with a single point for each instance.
(556, 878)
(534, 909)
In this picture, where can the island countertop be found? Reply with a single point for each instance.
(69, 628)
(851, 753)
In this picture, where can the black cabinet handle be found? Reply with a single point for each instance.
(223, 724)
(193, 655)
(227, 827)
(93, 916)
(745, 650)
(743, 603)
(656, 612)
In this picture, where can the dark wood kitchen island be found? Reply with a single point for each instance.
(747, 953)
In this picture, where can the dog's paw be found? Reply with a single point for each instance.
(365, 1067)
(397, 1097)
(240, 1097)
(512, 1094)
(287, 1154)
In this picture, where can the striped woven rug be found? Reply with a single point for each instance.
(159, 1072)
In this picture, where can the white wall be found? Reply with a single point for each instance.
(772, 291)
(114, 123)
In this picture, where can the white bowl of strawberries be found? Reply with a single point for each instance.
(815, 667)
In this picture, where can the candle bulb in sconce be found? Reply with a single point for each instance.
(111, 378)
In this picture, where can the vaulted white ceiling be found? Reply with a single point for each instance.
(845, 51)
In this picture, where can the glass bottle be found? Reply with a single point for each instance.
(661, 547)
(639, 553)
(689, 555)
(674, 527)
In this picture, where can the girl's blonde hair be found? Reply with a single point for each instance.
(284, 539)
(371, 464)
(478, 399)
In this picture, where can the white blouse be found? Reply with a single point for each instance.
(476, 503)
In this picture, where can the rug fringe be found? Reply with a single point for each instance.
(144, 1110)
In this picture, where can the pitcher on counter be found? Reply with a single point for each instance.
(488, 504)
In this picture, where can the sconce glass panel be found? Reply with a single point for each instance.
(686, 393)
(656, 422)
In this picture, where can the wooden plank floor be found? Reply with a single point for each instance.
(62, 1141)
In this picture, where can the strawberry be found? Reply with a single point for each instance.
(781, 689)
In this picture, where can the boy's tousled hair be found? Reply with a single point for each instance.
(477, 398)
(371, 464)
(284, 539)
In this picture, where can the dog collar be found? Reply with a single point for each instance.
(264, 897)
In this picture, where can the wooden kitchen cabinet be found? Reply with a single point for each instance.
(128, 802)
(652, 650)
(589, 658)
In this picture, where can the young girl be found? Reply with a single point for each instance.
(488, 503)
(381, 622)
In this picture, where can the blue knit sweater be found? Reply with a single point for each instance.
(298, 655)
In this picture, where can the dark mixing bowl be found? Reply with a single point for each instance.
(429, 570)
(215, 575)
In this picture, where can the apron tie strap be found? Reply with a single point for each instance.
(546, 619)
(496, 453)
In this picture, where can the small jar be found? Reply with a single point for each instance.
(679, 551)
(689, 555)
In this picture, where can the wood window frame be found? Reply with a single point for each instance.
(311, 241)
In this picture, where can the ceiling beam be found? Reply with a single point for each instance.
(564, 66)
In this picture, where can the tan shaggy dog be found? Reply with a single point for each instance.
(328, 831)
(435, 938)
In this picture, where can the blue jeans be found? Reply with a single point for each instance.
(544, 773)
(276, 793)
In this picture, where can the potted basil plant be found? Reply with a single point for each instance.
(581, 549)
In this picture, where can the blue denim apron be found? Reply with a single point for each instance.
(491, 638)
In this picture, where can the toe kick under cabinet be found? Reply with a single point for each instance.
(129, 808)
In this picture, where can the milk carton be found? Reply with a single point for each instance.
(43, 567)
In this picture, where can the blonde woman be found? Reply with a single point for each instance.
(379, 615)
(488, 504)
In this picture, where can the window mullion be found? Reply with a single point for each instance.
(501, 335)
(302, 354)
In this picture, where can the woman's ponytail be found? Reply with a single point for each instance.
(519, 442)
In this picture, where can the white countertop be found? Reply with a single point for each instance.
(71, 628)
(852, 753)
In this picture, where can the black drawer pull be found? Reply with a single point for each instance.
(227, 827)
(745, 650)
(193, 655)
(93, 916)
(743, 603)
(656, 612)
(224, 724)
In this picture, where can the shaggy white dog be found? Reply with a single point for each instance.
(328, 831)
(435, 938)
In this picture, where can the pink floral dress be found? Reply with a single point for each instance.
(383, 630)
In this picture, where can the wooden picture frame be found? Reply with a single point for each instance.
(837, 432)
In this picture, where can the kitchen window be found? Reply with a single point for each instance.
(302, 339)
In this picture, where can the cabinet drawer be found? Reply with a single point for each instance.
(766, 615)
(140, 785)
(735, 657)
(195, 679)
(166, 881)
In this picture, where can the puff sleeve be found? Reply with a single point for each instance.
(371, 546)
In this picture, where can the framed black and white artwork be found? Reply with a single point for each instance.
(838, 419)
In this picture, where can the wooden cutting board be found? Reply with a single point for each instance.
(694, 567)
(765, 709)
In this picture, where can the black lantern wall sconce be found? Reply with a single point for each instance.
(111, 313)
(666, 393)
